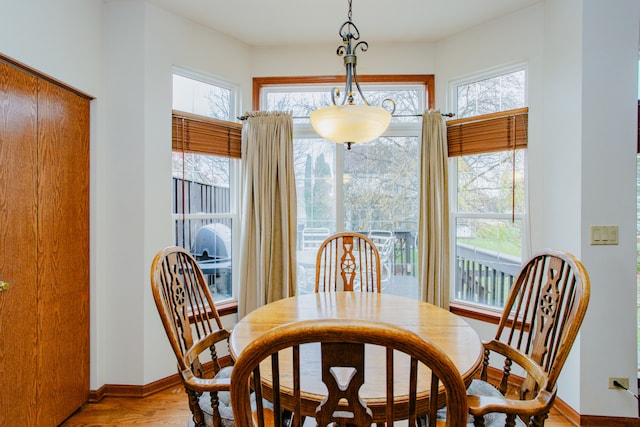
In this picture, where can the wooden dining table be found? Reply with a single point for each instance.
(448, 331)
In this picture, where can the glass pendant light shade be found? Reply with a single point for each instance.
(350, 123)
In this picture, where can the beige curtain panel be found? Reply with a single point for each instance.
(268, 238)
(433, 228)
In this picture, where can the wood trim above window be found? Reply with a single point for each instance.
(427, 80)
(203, 135)
(502, 131)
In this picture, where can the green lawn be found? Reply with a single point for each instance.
(502, 246)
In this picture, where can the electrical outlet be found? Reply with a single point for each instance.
(623, 381)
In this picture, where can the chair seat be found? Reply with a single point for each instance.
(494, 419)
(224, 403)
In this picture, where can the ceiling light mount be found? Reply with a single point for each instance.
(345, 121)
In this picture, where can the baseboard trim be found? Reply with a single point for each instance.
(567, 411)
(96, 395)
(133, 391)
(599, 421)
(140, 391)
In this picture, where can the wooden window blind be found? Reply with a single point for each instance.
(203, 135)
(487, 133)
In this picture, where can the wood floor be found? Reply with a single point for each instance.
(169, 408)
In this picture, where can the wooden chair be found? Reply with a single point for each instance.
(193, 326)
(348, 262)
(539, 324)
(342, 346)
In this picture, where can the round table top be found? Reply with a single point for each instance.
(448, 331)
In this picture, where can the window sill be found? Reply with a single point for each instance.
(475, 312)
(227, 307)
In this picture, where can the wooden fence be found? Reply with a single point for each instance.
(193, 197)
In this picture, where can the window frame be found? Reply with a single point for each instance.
(229, 305)
(428, 80)
(467, 308)
(304, 130)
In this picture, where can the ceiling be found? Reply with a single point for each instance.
(264, 23)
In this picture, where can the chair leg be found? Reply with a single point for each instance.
(217, 420)
(478, 420)
(198, 416)
(511, 420)
(538, 421)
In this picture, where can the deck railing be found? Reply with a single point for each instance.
(483, 277)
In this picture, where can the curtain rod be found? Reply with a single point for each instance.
(244, 117)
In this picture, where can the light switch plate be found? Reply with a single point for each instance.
(604, 234)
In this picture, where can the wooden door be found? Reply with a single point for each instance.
(44, 249)
(63, 253)
(18, 184)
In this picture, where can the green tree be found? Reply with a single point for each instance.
(322, 208)
(308, 190)
(381, 185)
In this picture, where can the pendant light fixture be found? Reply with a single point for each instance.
(345, 121)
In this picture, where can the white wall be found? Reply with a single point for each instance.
(150, 42)
(321, 60)
(50, 37)
(607, 189)
(122, 246)
(562, 145)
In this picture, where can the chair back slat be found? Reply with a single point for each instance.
(296, 422)
(390, 383)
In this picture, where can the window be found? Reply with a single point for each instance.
(371, 189)
(487, 146)
(206, 152)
